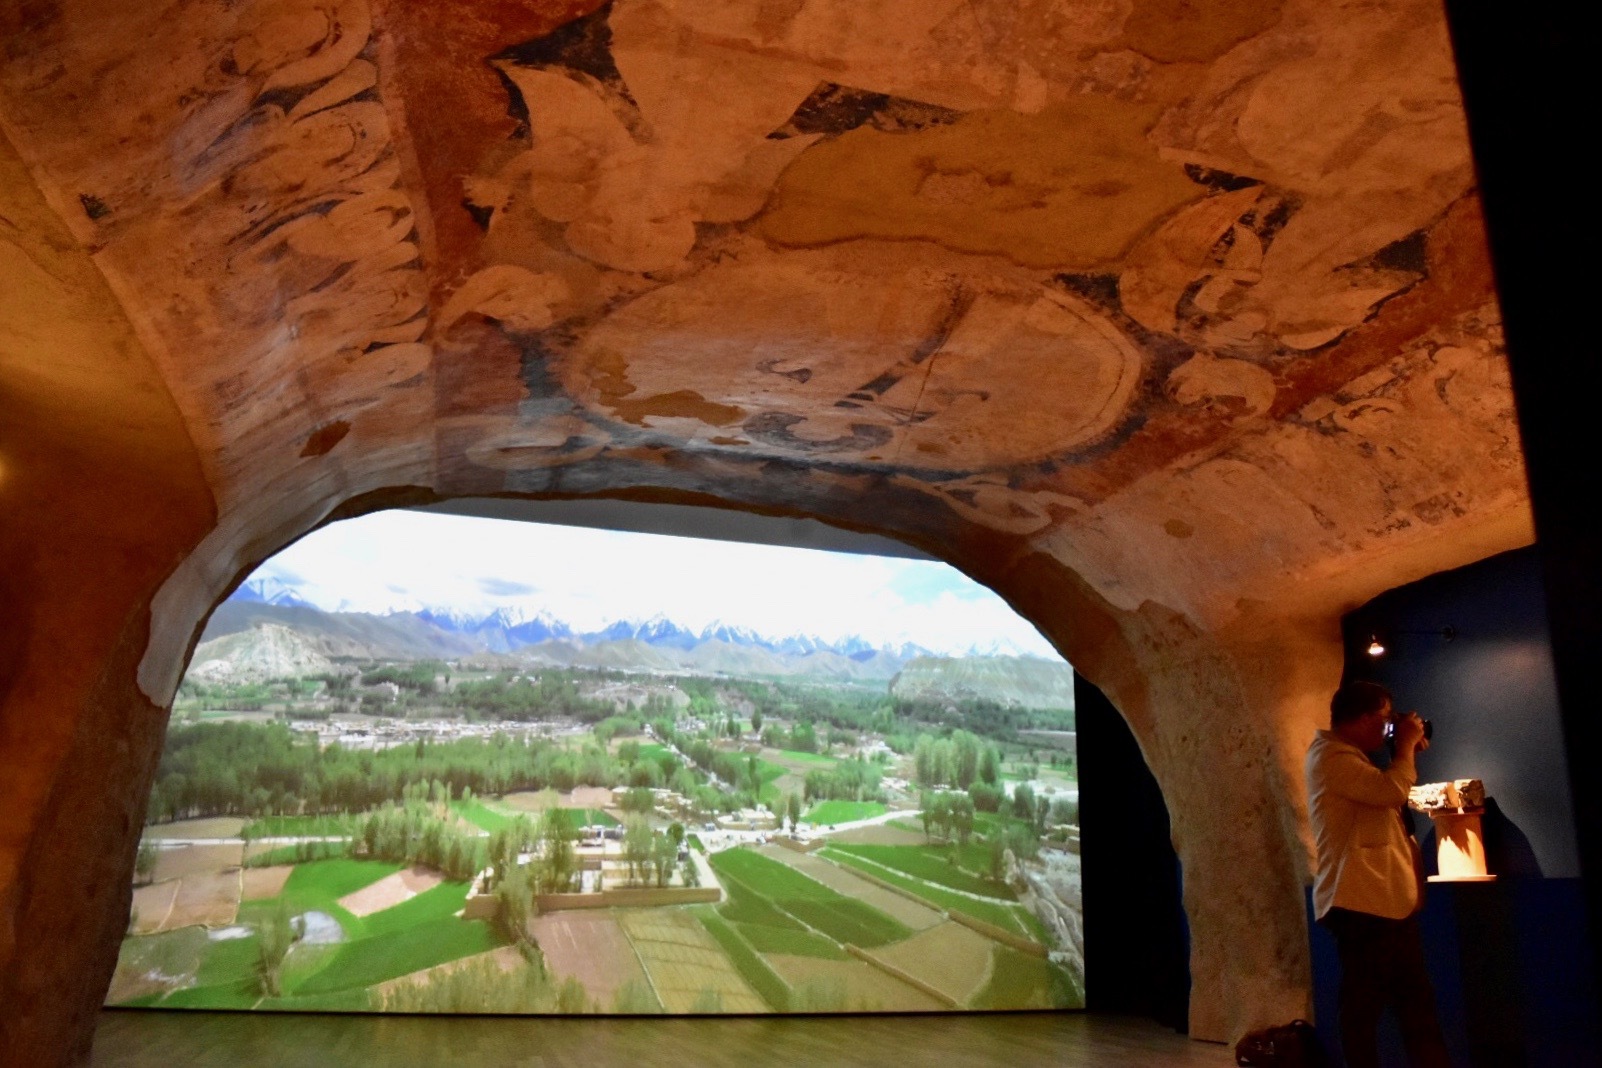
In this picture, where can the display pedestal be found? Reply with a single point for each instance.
(1460, 846)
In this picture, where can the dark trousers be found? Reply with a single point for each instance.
(1382, 967)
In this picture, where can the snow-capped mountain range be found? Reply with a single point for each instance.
(509, 629)
(268, 589)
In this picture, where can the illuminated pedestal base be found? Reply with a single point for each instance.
(1460, 846)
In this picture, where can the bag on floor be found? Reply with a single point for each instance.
(1292, 1045)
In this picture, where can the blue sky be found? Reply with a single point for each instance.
(398, 561)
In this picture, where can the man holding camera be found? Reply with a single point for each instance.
(1368, 888)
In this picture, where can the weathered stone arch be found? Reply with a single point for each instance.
(1183, 344)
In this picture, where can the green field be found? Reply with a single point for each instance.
(986, 822)
(832, 812)
(1021, 981)
(488, 816)
(752, 968)
(766, 939)
(1009, 917)
(931, 863)
(367, 961)
(480, 815)
(228, 960)
(770, 930)
(299, 826)
(768, 772)
(443, 902)
(812, 760)
(748, 907)
(418, 933)
(841, 918)
(323, 882)
(589, 817)
(298, 853)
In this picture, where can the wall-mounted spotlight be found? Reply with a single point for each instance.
(1376, 647)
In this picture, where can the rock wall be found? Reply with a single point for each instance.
(101, 496)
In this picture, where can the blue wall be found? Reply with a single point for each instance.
(1490, 692)
(1509, 960)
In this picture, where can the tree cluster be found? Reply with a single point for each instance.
(988, 717)
(553, 864)
(420, 831)
(849, 780)
(418, 676)
(246, 769)
(646, 854)
(522, 697)
(951, 815)
(960, 761)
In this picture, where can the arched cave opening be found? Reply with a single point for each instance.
(413, 754)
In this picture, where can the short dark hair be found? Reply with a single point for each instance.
(1354, 700)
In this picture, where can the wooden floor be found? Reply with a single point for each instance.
(145, 1039)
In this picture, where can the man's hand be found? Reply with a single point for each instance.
(1410, 734)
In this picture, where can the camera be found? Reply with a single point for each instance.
(1390, 730)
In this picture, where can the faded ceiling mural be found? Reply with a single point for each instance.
(1005, 257)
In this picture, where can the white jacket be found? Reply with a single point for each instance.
(1365, 855)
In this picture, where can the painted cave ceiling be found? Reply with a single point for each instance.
(1123, 279)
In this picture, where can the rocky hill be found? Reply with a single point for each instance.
(265, 651)
(358, 635)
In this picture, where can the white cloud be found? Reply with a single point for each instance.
(395, 561)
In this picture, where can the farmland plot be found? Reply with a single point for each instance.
(849, 986)
(687, 968)
(152, 905)
(261, 883)
(181, 861)
(916, 916)
(951, 958)
(390, 891)
(844, 919)
(831, 812)
(1020, 981)
(1009, 916)
(591, 947)
(506, 959)
(211, 898)
(931, 864)
(880, 834)
(148, 967)
(407, 925)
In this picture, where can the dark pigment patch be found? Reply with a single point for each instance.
(1223, 181)
(773, 428)
(324, 438)
(1409, 254)
(1099, 289)
(582, 50)
(836, 109)
(93, 207)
